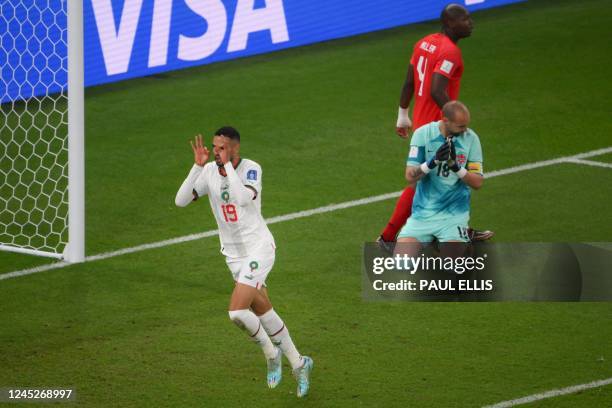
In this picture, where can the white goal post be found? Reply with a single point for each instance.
(42, 183)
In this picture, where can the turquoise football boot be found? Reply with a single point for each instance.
(275, 369)
(302, 375)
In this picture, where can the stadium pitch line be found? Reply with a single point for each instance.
(550, 394)
(576, 159)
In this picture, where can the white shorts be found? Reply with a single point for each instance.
(253, 269)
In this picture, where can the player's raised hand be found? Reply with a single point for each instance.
(452, 156)
(441, 156)
(443, 153)
(200, 152)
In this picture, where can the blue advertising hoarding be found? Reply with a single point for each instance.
(133, 38)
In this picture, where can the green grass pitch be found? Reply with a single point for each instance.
(151, 328)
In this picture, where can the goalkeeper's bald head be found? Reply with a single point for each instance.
(454, 110)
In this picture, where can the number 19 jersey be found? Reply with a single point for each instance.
(435, 53)
(242, 229)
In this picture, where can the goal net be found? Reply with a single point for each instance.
(36, 117)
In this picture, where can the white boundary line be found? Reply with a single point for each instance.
(300, 214)
(552, 393)
(590, 163)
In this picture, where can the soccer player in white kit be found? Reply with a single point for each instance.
(233, 186)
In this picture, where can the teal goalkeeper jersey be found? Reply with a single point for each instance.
(441, 193)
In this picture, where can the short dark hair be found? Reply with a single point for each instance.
(452, 12)
(228, 131)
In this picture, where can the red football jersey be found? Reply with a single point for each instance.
(435, 53)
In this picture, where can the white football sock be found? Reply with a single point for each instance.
(248, 321)
(279, 334)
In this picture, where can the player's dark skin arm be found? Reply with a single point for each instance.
(405, 97)
(438, 89)
(408, 88)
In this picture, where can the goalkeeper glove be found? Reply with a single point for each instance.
(452, 157)
(452, 160)
(441, 156)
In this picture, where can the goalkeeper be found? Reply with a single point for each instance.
(233, 186)
(446, 160)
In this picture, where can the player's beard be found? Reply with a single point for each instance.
(220, 167)
(219, 163)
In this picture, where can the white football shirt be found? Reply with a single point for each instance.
(242, 229)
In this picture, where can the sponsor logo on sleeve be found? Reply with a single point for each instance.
(446, 66)
(414, 152)
(252, 175)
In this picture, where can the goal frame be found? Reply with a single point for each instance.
(74, 251)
